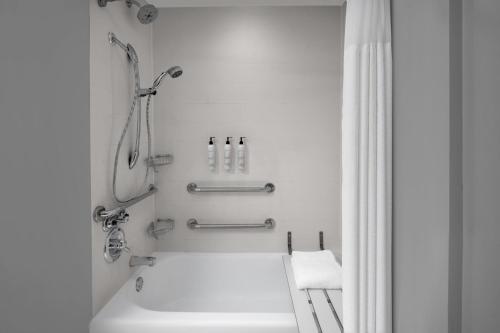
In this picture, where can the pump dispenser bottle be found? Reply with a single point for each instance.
(228, 158)
(211, 154)
(241, 154)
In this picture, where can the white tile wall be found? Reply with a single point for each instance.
(109, 96)
(273, 75)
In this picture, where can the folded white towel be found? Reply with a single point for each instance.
(316, 270)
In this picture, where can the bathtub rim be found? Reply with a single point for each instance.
(122, 308)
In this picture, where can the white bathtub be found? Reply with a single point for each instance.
(203, 293)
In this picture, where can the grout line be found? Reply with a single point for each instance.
(313, 311)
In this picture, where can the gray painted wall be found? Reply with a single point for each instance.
(421, 165)
(45, 233)
(481, 265)
(456, 147)
(441, 95)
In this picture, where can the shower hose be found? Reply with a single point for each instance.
(135, 105)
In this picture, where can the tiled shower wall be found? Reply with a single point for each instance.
(272, 74)
(110, 91)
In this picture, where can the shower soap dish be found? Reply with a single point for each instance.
(159, 160)
(160, 227)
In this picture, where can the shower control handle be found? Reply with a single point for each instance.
(115, 221)
(118, 245)
(114, 245)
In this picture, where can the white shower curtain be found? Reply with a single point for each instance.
(366, 168)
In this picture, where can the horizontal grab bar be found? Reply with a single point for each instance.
(194, 188)
(101, 214)
(268, 224)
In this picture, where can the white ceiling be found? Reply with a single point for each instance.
(229, 3)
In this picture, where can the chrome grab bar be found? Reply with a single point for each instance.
(194, 188)
(268, 224)
(101, 214)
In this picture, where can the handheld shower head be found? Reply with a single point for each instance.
(173, 72)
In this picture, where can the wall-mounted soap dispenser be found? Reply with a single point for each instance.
(228, 155)
(241, 154)
(212, 154)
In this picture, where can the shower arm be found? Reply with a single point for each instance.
(103, 3)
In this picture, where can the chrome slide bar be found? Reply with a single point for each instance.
(101, 214)
(268, 224)
(114, 40)
(194, 188)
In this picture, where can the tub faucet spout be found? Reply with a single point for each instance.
(142, 261)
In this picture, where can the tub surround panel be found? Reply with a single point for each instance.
(110, 98)
(274, 76)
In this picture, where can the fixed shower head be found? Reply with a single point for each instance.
(147, 12)
(173, 72)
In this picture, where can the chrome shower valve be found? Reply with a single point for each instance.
(114, 245)
(110, 219)
(115, 221)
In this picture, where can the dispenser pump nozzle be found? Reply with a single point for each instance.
(241, 139)
(228, 142)
(211, 141)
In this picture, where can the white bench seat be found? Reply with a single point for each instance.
(303, 310)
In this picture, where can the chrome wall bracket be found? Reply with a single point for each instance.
(98, 214)
(290, 247)
(289, 241)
